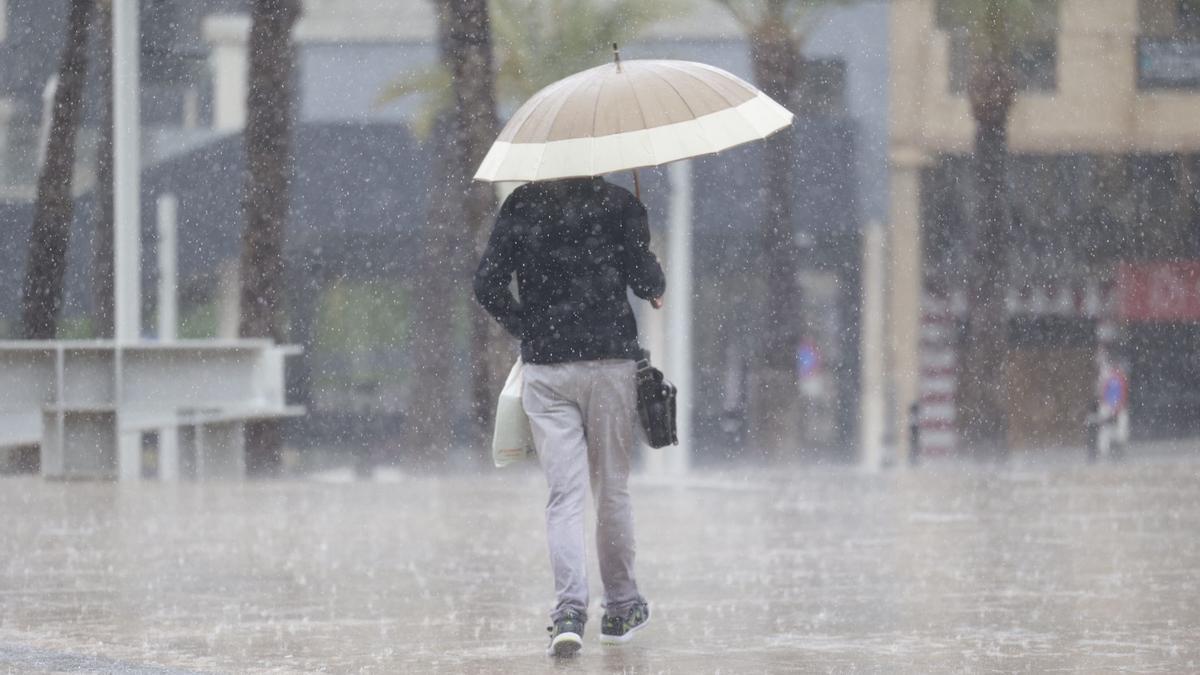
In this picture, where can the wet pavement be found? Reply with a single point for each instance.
(1038, 565)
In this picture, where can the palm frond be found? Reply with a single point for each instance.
(745, 16)
(428, 81)
(433, 84)
(542, 41)
(990, 23)
(798, 17)
(536, 42)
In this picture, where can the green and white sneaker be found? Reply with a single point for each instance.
(566, 635)
(615, 630)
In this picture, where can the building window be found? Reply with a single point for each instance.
(1168, 49)
(1188, 17)
(1034, 56)
(1169, 18)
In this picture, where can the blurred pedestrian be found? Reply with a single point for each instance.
(1096, 423)
(914, 434)
(575, 245)
(1108, 423)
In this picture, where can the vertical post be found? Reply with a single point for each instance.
(47, 117)
(904, 286)
(874, 400)
(126, 172)
(127, 281)
(128, 443)
(221, 451)
(678, 303)
(228, 299)
(228, 60)
(168, 209)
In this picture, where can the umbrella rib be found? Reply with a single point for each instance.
(641, 113)
(677, 93)
(563, 102)
(596, 105)
(523, 113)
(535, 102)
(560, 103)
(685, 73)
(595, 114)
(557, 102)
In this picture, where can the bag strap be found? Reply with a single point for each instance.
(643, 363)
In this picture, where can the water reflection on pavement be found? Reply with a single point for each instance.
(952, 567)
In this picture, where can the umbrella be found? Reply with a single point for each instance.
(627, 115)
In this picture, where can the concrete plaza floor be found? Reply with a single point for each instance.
(1036, 565)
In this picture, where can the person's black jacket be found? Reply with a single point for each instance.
(575, 245)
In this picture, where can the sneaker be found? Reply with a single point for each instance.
(615, 630)
(566, 635)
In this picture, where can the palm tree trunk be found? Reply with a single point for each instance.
(470, 50)
(268, 137)
(457, 227)
(102, 232)
(467, 49)
(53, 210)
(982, 388)
(437, 299)
(982, 385)
(773, 398)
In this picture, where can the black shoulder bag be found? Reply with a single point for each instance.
(656, 404)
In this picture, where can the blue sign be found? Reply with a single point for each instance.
(1114, 390)
(808, 360)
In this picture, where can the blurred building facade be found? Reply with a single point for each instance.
(1105, 212)
(359, 191)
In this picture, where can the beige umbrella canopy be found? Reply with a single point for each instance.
(628, 115)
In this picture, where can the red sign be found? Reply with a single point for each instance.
(1159, 291)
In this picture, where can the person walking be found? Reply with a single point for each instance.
(575, 246)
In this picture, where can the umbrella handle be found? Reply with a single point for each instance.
(637, 185)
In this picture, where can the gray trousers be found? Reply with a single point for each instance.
(582, 415)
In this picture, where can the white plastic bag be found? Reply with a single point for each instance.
(512, 440)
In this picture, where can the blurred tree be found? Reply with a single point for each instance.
(102, 217)
(53, 209)
(458, 211)
(777, 30)
(536, 43)
(267, 139)
(994, 30)
(469, 58)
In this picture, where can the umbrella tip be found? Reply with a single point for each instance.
(617, 56)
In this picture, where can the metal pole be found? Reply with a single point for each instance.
(678, 303)
(127, 290)
(874, 401)
(168, 207)
(47, 117)
(126, 172)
